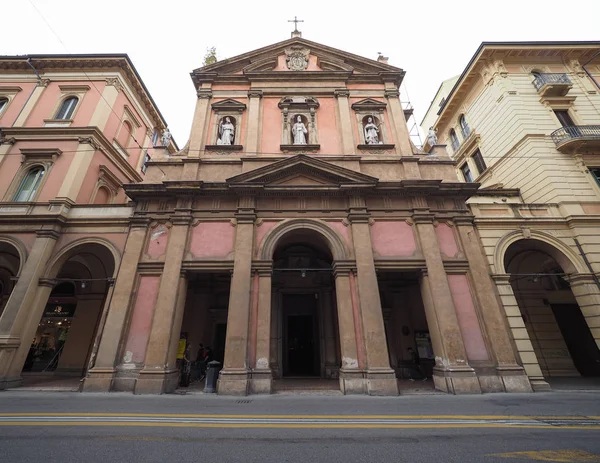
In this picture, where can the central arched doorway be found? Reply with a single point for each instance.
(561, 338)
(304, 319)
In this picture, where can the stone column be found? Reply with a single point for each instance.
(403, 144)
(331, 363)
(452, 372)
(512, 374)
(352, 379)
(233, 379)
(100, 377)
(588, 298)
(347, 134)
(177, 322)
(262, 377)
(158, 376)
(381, 379)
(253, 135)
(22, 307)
(198, 133)
(519, 333)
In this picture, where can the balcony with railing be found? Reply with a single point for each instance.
(577, 138)
(554, 84)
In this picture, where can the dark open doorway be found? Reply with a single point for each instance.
(301, 340)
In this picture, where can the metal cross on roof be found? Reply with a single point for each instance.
(295, 21)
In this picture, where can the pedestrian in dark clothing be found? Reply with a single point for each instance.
(201, 362)
(187, 367)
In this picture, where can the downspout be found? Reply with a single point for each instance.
(587, 263)
(587, 72)
(28, 61)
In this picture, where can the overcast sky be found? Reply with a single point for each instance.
(431, 41)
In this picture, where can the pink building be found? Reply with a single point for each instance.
(74, 129)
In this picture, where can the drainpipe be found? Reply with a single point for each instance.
(587, 263)
(587, 72)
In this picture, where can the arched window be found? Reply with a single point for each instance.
(102, 196)
(464, 127)
(3, 104)
(454, 140)
(29, 185)
(67, 107)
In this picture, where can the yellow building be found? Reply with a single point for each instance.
(523, 120)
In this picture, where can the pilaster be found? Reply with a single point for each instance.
(22, 307)
(343, 106)
(234, 378)
(400, 129)
(104, 108)
(198, 134)
(100, 376)
(262, 377)
(452, 372)
(587, 294)
(31, 102)
(253, 134)
(381, 379)
(159, 375)
(512, 374)
(77, 169)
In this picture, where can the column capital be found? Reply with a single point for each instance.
(52, 234)
(263, 267)
(245, 216)
(181, 219)
(392, 93)
(423, 218)
(341, 92)
(204, 93)
(464, 220)
(255, 93)
(139, 222)
(48, 282)
(501, 278)
(343, 267)
(580, 279)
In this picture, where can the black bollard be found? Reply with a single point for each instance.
(212, 374)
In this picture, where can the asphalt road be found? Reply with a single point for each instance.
(72, 427)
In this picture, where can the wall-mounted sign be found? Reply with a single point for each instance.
(59, 310)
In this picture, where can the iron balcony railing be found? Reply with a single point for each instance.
(576, 132)
(551, 79)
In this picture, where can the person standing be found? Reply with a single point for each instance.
(201, 362)
(187, 367)
(416, 360)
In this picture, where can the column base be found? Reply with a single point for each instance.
(8, 382)
(352, 381)
(156, 382)
(261, 382)
(233, 382)
(539, 385)
(457, 380)
(98, 380)
(515, 379)
(382, 382)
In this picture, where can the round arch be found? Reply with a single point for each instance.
(559, 251)
(335, 243)
(19, 247)
(71, 249)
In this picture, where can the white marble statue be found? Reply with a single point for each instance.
(299, 132)
(432, 138)
(166, 137)
(226, 132)
(371, 132)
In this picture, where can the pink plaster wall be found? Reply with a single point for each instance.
(467, 318)
(445, 236)
(212, 239)
(342, 230)
(271, 126)
(26, 238)
(393, 239)
(157, 244)
(91, 178)
(329, 134)
(260, 233)
(141, 321)
(9, 115)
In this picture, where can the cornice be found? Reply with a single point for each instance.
(90, 135)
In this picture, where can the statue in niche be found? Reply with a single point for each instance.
(432, 138)
(371, 133)
(299, 132)
(166, 137)
(226, 132)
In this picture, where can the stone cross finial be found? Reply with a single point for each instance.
(296, 32)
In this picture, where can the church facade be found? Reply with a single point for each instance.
(300, 233)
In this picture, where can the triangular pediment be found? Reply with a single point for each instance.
(369, 104)
(268, 60)
(229, 105)
(302, 171)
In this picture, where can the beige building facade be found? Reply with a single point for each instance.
(523, 120)
(299, 233)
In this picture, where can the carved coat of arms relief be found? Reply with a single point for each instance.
(296, 58)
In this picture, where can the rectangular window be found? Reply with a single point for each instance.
(147, 159)
(155, 137)
(479, 162)
(596, 174)
(466, 172)
(564, 118)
